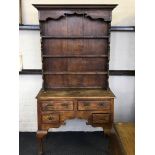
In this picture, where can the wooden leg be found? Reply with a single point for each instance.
(40, 137)
(107, 131)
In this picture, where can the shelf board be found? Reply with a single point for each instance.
(74, 56)
(75, 73)
(75, 37)
(68, 88)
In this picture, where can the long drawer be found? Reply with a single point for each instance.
(57, 105)
(94, 105)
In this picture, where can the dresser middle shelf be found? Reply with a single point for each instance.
(75, 37)
(75, 56)
(84, 73)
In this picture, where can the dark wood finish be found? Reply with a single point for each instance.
(74, 6)
(101, 118)
(94, 105)
(74, 46)
(76, 93)
(50, 118)
(75, 30)
(75, 37)
(57, 105)
(75, 54)
(70, 64)
(40, 137)
(58, 81)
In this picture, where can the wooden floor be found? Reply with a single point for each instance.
(122, 139)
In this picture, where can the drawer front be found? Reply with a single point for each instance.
(101, 118)
(50, 118)
(57, 105)
(94, 105)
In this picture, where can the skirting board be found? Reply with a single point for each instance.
(111, 72)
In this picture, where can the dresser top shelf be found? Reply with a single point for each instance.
(76, 93)
(75, 6)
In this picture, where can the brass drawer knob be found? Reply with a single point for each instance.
(65, 105)
(102, 104)
(50, 118)
(86, 104)
(48, 107)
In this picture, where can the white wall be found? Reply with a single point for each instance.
(30, 49)
(122, 51)
(123, 14)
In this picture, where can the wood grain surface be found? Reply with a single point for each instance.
(126, 135)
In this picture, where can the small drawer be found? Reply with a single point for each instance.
(50, 118)
(101, 118)
(94, 105)
(57, 105)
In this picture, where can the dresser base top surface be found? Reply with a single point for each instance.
(76, 93)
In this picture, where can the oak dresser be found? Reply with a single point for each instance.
(75, 46)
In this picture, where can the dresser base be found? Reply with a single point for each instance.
(56, 106)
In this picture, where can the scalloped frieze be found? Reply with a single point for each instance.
(104, 15)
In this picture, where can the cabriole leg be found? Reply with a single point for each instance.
(40, 138)
(107, 131)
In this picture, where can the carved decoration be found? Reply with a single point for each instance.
(57, 15)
